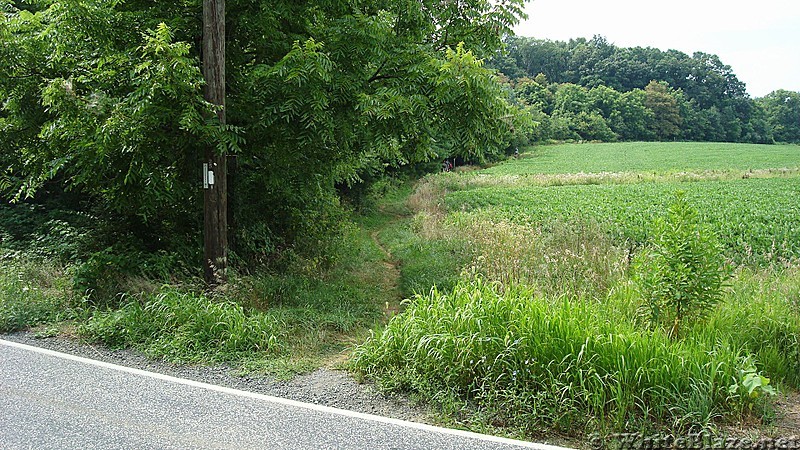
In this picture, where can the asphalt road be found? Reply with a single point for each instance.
(57, 401)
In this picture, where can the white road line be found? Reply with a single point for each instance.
(283, 401)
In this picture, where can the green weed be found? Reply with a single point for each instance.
(682, 273)
(561, 364)
(32, 292)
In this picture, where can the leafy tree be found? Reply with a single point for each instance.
(660, 99)
(782, 109)
(592, 127)
(105, 97)
(534, 92)
(758, 130)
(702, 79)
(571, 98)
(605, 100)
(631, 117)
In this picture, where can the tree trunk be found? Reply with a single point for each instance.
(215, 201)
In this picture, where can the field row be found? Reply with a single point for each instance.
(657, 157)
(758, 220)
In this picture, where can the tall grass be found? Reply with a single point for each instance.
(32, 292)
(182, 326)
(543, 329)
(565, 364)
(282, 323)
(557, 257)
(761, 313)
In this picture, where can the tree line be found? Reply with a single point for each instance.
(594, 90)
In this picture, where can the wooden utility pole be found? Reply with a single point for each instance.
(215, 201)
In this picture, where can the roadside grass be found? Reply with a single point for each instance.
(659, 157)
(535, 364)
(544, 331)
(522, 316)
(32, 292)
(281, 324)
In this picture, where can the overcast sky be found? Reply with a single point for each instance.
(759, 39)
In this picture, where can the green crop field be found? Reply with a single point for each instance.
(755, 218)
(650, 157)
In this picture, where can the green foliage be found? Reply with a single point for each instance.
(675, 95)
(105, 99)
(32, 293)
(681, 275)
(782, 109)
(536, 364)
(56, 232)
(185, 327)
(464, 89)
(104, 273)
(751, 383)
(661, 100)
(47, 232)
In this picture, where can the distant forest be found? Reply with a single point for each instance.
(593, 90)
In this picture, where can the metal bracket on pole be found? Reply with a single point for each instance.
(208, 177)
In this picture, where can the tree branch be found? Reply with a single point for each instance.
(377, 76)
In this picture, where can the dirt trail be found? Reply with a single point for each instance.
(788, 422)
(390, 278)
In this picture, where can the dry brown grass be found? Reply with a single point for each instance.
(478, 180)
(564, 258)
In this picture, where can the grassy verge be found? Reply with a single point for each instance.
(32, 292)
(523, 315)
(277, 323)
(533, 364)
(282, 323)
(536, 326)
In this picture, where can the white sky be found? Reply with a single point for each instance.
(760, 39)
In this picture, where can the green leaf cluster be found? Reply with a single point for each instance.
(104, 98)
(683, 273)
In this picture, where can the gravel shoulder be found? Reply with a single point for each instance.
(334, 388)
